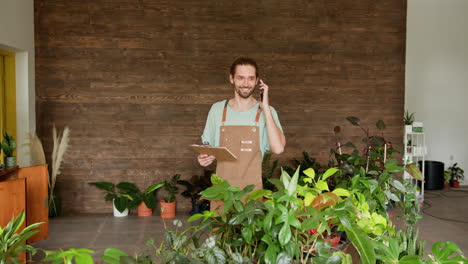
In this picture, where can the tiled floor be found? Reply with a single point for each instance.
(98, 232)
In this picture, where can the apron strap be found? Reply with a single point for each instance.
(224, 112)
(257, 117)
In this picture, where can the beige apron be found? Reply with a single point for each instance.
(244, 143)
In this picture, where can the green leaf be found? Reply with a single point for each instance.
(341, 192)
(247, 234)
(399, 186)
(443, 250)
(380, 125)
(292, 186)
(127, 186)
(360, 240)
(121, 203)
(216, 180)
(154, 187)
(414, 171)
(329, 173)
(309, 197)
(322, 185)
(258, 194)
(354, 120)
(310, 172)
(392, 166)
(284, 235)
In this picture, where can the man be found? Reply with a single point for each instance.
(245, 126)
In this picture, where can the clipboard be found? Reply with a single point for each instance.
(221, 153)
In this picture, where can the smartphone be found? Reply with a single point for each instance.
(261, 92)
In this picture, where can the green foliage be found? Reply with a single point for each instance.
(122, 199)
(268, 171)
(11, 239)
(148, 197)
(171, 188)
(73, 255)
(8, 145)
(196, 185)
(456, 173)
(408, 118)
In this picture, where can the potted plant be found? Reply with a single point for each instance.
(456, 175)
(194, 187)
(8, 146)
(146, 200)
(447, 176)
(408, 119)
(12, 239)
(168, 205)
(121, 200)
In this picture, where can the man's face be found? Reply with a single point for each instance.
(244, 80)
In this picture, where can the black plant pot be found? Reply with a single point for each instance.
(199, 206)
(55, 203)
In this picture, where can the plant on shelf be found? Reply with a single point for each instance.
(457, 174)
(144, 200)
(168, 205)
(122, 200)
(193, 188)
(408, 118)
(8, 146)
(12, 239)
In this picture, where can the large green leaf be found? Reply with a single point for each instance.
(107, 186)
(121, 203)
(310, 172)
(360, 240)
(292, 186)
(322, 185)
(414, 171)
(284, 235)
(329, 173)
(154, 187)
(392, 166)
(127, 186)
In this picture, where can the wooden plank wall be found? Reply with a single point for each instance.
(134, 80)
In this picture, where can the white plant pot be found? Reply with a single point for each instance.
(408, 128)
(117, 213)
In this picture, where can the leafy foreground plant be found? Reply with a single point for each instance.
(12, 240)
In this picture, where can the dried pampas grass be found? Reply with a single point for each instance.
(36, 150)
(61, 144)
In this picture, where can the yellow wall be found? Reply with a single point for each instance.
(7, 95)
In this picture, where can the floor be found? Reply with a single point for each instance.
(445, 219)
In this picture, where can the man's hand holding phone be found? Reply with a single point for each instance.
(205, 159)
(263, 94)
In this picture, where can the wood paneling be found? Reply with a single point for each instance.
(36, 199)
(134, 80)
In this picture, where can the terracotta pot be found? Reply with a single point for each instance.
(455, 184)
(334, 239)
(446, 185)
(168, 210)
(143, 210)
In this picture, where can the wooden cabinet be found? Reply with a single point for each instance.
(25, 189)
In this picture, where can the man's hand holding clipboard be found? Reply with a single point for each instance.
(207, 154)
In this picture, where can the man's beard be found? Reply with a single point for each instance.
(243, 95)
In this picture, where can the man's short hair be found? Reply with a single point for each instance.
(244, 61)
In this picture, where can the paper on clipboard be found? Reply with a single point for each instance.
(221, 153)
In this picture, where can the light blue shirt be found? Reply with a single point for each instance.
(235, 118)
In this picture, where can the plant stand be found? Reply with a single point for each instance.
(414, 152)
